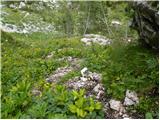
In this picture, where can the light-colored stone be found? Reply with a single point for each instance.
(94, 38)
(95, 76)
(83, 79)
(49, 56)
(13, 6)
(131, 98)
(77, 84)
(27, 27)
(22, 5)
(116, 22)
(84, 72)
(100, 94)
(128, 101)
(115, 105)
(98, 87)
(106, 106)
(132, 95)
(125, 116)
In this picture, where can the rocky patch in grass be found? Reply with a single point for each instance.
(88, 39)
(61, 72)
(117, 109)
(58, 74)
(27, 27)
(91, 82)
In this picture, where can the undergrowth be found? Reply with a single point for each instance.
(24, 65)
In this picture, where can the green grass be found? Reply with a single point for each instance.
(24, 66)
(13, 16)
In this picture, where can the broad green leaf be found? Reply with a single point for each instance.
(98, 106)
(73, 108)
(81, 113)
(90, 109)
(91, 101)
(75, 94)
(79, 103)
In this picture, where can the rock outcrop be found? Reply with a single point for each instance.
(131, 98)
(29, 22)
(146, 22)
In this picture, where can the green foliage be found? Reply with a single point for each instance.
(38, 110)
(61, 103)
(148, 115)
(123, 65)
(148, 106)
(61, 95)
(19, 98)
(23, 66)
(131, 71)
(73, 17)
(84, 107)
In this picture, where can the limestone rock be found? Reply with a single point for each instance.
(94, 38)
(115, 105)
(128, 101)
(83, 79)
(95, 76)
(125, 116)
(13, 6)
(98, 87)
(146, 22)
(22, 5)
(116, 22)
(131, 98)
(49, 56)
(100, 94)
(84, 72)
(77, 84)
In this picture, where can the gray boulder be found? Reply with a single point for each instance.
(146, 22)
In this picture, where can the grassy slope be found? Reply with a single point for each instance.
(24, 66)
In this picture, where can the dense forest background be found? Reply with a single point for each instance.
(50, 49)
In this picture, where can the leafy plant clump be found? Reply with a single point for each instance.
(85, 107)
(60, 103)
